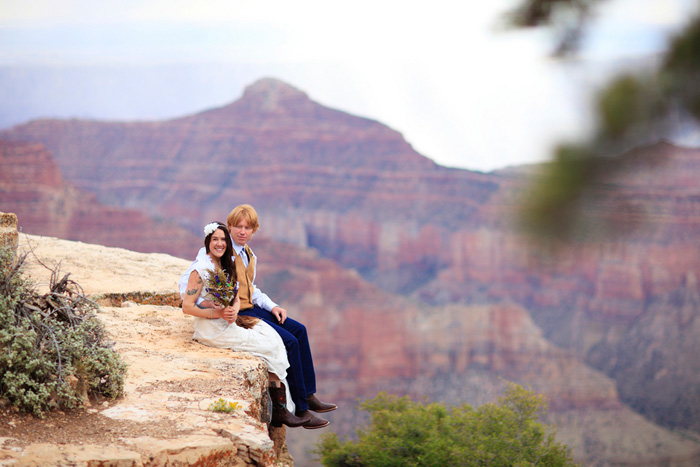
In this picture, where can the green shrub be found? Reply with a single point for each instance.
(52, 346)
(406, 433)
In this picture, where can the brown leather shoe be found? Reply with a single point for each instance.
(318, 406)
(314, 421)
(280, 414)
(285, 417)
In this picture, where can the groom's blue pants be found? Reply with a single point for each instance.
(301, 376)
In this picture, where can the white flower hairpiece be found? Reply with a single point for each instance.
(210, 228)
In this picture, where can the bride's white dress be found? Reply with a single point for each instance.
(261, 340)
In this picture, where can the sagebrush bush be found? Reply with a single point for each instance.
(53, 348)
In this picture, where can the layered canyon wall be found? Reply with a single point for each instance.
(462, 294)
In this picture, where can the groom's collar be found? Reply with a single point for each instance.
(237, 248)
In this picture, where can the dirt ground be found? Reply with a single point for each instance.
(78, 426)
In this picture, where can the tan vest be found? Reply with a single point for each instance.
(245, 278)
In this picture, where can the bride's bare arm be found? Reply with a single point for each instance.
(189, 303)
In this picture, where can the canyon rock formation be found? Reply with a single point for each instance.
(606, 324)
(32, 186)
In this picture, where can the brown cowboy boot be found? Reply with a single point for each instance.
(314, 421)
(318, 406)
(280, 414)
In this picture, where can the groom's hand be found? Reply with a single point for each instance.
(280, 313)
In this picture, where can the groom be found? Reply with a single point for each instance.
(242, 224)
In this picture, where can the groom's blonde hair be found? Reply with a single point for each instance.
(243, 211)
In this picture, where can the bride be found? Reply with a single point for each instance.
(220, 326)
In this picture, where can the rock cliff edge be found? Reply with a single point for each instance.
(171, 380)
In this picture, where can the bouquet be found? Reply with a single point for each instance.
(220, 288)
(223, 291)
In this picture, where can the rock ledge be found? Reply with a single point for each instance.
(171, 382)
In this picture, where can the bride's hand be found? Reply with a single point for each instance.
(230, 314)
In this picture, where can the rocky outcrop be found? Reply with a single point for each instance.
(172, 380)
(164, 419)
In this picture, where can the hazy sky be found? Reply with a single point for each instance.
(460, 90)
